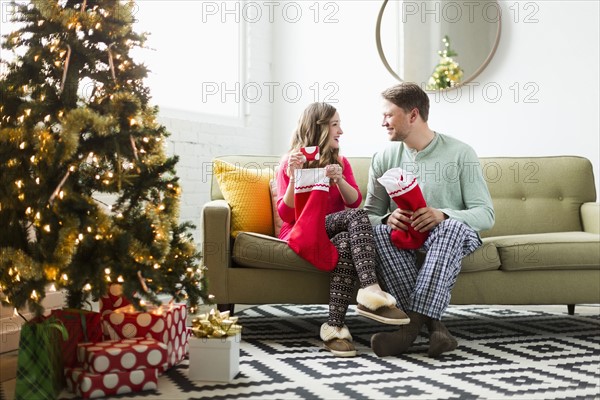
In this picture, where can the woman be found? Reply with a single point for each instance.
(347, 227)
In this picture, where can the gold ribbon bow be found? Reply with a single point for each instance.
(215, 325)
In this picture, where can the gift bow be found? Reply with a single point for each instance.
(215, 325)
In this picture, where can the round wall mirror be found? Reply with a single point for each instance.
(438, 44)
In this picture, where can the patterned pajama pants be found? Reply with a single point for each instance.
(426, 289)
(352, 235)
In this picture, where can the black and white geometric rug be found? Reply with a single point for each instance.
(502, 354)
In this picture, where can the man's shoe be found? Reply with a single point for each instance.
(340, 347)
(440, 343)
(395, 343)
(389, 344)
(385, 314)
(440, 339)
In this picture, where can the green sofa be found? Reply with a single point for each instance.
(543, 249)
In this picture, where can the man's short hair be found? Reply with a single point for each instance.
(408, 95)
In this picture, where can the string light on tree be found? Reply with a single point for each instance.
(447, 73)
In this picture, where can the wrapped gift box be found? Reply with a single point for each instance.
(82, 326)
(10, 329)
(10, 321)
(214, 359)
(113, 299)
(89, 385)
(165, 324)
(123, 355)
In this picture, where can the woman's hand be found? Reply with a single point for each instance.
(334, 172)
(295, 161)
(349, 194)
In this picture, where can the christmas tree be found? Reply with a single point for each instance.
(88, 196)
(447, 73)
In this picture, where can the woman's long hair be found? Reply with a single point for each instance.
(313, 130)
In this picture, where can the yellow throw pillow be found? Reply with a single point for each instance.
(248, 194)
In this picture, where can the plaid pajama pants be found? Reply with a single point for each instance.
(425, 289)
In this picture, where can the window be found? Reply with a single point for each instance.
(196, 63)
(194, 55)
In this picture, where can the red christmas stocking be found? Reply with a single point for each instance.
(406, 193)
(309, 238)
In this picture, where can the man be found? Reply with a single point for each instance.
(458, 206)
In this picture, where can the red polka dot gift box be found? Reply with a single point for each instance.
(113, 299)
(123, 355)
(89, 385)
(166, 324)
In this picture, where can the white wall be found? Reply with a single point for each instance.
(554, 61)
(549, 51)
(341, 59)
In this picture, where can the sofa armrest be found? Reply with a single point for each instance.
(590, 217)
(216, 247)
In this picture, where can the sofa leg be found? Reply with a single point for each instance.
(226, 307)
(571, 309)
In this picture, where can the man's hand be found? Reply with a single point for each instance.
(427, 218)
(399, 219)
(423, 220)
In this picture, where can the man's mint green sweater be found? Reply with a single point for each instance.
(450, 177)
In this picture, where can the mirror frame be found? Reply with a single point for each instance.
(467, 80)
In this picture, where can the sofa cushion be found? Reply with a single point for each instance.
(263, 251)
(248, 194)
(485, 258)
(534, 195)
(563, 250)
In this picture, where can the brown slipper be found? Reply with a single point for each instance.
(387, 314)
(340, 347)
